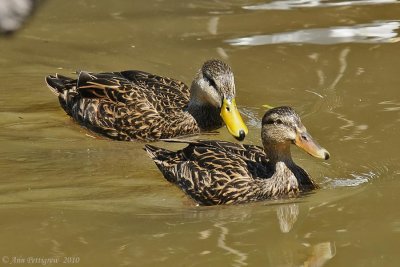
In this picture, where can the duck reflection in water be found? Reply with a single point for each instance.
(288, 249)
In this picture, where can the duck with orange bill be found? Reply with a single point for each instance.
(220, 172)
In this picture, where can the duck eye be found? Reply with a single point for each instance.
(304, 137)
(228, 109)
(278, 121)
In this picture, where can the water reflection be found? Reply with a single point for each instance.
(317, 256)
(225, 234)
(287, 216)
(320, 254)
(291, 4)
(375, 32)
(240, 258)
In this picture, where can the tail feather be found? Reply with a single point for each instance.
(165, 160)
(158, 154)
(151, 151)
(58, 83)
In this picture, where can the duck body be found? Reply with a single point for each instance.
(217, 172)
(220, 172)
(128, 105)
(136, 105)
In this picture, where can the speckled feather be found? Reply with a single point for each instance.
(136, 105)
(218, 172)
(126, 105)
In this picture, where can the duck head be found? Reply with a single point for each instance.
(281, 126)
(214, 86)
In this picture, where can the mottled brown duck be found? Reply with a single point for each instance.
(136, 105)
(219, 172)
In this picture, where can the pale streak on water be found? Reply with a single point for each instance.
(290, 4)
(375, 32)
(343, 65)
(240, 258)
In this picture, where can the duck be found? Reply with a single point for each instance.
(137, 105)
(214, 172)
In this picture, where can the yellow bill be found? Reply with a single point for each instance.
(234, 122)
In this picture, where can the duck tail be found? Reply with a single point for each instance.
(163, 160)
(151, 151)
(58, 83)
(159, 155)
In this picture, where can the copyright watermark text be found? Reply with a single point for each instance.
(14, 260)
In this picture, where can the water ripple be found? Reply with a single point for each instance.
(356, 180)
(371, 172)
(375, 32)
(252, 116)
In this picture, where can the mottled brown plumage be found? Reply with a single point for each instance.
(136, 105)
(219, 172)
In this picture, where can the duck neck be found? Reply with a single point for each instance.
(206, 115)
(279, 152)
(288, 178)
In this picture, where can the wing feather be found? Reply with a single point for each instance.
(213, 172)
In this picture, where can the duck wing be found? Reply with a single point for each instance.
(173, 92)
(126, 105)
(125, 86)
(254, 156)
(211, 172)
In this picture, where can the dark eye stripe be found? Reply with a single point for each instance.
(210, 81)
(272, 121)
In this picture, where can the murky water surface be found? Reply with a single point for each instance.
(66, 196)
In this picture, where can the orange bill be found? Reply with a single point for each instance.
(307, 143)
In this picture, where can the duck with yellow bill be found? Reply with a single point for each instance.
(136, 105)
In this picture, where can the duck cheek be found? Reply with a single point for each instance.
(212, 97)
